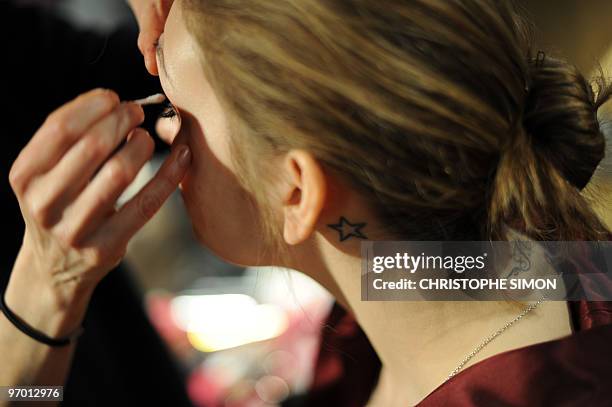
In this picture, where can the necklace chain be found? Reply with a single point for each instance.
(494, 335)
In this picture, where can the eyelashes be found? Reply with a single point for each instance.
(168, 111)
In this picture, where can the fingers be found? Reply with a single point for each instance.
(146, 44)
(55, 190)
(138, 210)
(151, 16)
(151, 25)
(97, 200)
(60, 131)
(146, 16)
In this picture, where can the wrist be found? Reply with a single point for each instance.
(56, 310)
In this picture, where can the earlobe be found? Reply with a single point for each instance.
(304, 197)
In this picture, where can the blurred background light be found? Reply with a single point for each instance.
(217, 322)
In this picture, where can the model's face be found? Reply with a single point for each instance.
(222, 218)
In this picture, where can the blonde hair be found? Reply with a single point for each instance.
(437, 111)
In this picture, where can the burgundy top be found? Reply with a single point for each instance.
(571, 371)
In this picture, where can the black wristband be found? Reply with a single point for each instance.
(33, 333)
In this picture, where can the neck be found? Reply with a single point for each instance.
(421, 342)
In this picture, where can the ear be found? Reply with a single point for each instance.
(304, 195)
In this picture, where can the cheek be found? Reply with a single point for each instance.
(221, 211)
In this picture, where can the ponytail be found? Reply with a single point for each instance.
(551, 157)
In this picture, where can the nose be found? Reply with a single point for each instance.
(167, 129)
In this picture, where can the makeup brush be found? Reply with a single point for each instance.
(150, 100)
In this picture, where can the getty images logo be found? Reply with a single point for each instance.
(410, 263)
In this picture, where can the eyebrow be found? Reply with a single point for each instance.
(159, 50)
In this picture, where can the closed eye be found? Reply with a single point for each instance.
(169, 111)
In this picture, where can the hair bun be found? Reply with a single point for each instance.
(560, 116)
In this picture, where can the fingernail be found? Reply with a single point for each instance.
(184, 156)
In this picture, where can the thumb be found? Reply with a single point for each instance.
(147, 40)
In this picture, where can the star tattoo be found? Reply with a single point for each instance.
(348, 229)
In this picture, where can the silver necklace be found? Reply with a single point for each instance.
(494, 335)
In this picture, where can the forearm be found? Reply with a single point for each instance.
(28, 362)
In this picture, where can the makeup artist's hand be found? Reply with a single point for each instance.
(67, 184)
(151, 16)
